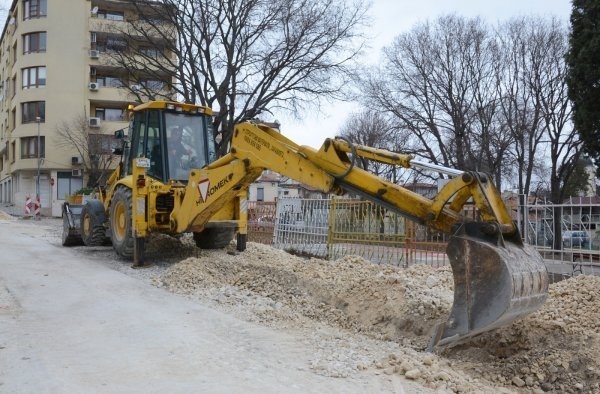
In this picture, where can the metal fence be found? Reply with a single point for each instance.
(382, 236)
(333, 228)
(567, 236)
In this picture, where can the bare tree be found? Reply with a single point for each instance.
(242, 57)
(435, 82)
(93, 146)
(519, 82)
(534, 101)
(565, 144)
(476, 98)
(374, 129)
(371, 129)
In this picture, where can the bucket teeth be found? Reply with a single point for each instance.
(494, 284)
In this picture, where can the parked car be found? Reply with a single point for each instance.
(576, 238)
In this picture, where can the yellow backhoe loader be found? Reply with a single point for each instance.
(170, 181)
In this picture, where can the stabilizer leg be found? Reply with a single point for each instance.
(138, 252)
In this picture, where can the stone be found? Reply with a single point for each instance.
(517, 381)
(413, 374)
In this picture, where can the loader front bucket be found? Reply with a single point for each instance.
(496, 281)
(71, 215)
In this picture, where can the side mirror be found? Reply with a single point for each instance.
(120, 134)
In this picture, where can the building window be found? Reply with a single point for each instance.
(112, 44)
(153, 84)
(151, 52)
(110, 114)
(109, 81)
(67, 184)
(111, 15)
(34, 42)
(260, 194)
(31, 110)
(34, 77)
(34, 9)
(29, 147)
(13, 151)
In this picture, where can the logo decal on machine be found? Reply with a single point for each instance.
(203, 188)
(206, 190)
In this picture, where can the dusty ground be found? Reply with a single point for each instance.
(362, 316)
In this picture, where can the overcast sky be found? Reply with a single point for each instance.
(391, 18)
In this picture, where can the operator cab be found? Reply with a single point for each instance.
(175, 137)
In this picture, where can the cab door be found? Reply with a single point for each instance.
(146, 142)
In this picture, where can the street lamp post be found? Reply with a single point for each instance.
(37, 180)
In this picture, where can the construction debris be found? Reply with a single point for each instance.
(553, 350)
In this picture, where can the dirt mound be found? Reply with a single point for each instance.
(552, 350)
(386, 302)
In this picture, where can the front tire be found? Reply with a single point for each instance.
(120, 223)
(92, 226)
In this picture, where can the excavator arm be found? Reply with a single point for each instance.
(496, 277)
(332, 169)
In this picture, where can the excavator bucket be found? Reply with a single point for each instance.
(496, 281)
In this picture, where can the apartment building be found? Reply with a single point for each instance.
(55, 68)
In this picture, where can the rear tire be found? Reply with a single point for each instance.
(120, 223)
(214, 237)
(70, 236)
(92, 226)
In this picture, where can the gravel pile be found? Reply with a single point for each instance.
(555, 349)
(364, 318)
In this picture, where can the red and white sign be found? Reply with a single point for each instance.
(28, 205)
(37, 206)
(203, 186)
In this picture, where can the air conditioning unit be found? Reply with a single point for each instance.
(76, 172)
(95, 122)
(93, 38)
(94, 54)
(76, 160)
(92, 71)
(93, 85)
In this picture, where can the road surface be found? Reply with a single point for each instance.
(70, 324)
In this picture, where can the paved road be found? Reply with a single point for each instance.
(72, 325)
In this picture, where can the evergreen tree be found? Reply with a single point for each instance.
(583, 79)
